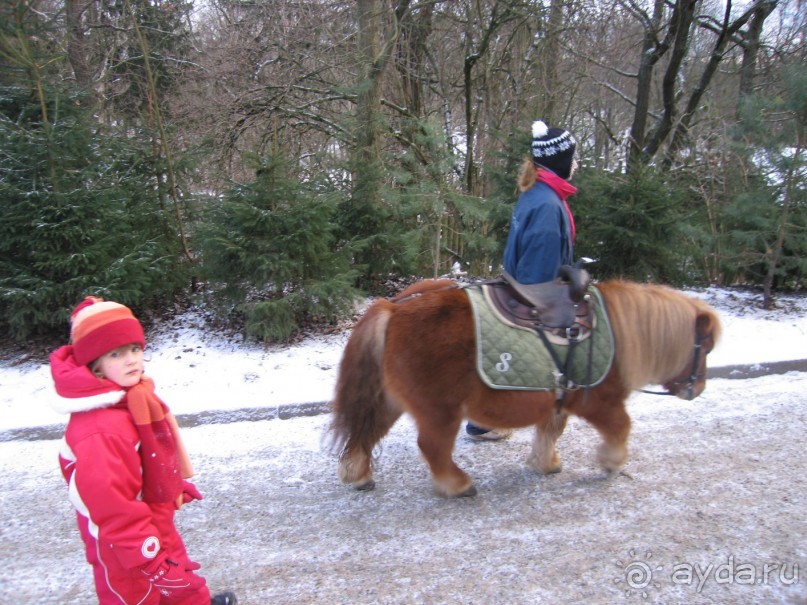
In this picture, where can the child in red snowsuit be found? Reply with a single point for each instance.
(126, 468)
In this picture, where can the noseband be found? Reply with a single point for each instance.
(694, 375)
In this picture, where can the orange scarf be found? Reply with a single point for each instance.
(165, 460)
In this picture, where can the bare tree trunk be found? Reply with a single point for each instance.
(550, 63)
(367, 168)
(413, 49)
(652, 50)
(374, 58)
(368, 106)
(500, 13)
(728, 30)
(77, 41)
(760, 12)
(679, 32)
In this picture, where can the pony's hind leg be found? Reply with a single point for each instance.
(436, 443)
(544, 456)
(355, 468)
(356, 460)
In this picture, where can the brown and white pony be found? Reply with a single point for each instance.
(417, 354)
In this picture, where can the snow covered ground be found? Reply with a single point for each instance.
(712, 507)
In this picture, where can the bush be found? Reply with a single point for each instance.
(269, 252)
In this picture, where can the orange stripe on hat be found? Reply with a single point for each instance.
(99, 318)
(100, 326)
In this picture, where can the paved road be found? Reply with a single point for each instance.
(734, 372)
(709, 510)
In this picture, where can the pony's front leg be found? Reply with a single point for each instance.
(436, 443)
(544, 456)
(613, 424)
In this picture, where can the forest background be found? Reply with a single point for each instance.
(275, 159)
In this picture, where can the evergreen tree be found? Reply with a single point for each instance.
(439, 225)
(631, 225)
(79, 210)
(767, 221)
(269, 252)
(149, 43)
(79, 215)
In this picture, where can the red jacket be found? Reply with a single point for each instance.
(101, 463)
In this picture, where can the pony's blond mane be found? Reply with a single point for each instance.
(654, 330)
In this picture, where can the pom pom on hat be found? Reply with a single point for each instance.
(98, 326)
(553, 148)
(539, 129)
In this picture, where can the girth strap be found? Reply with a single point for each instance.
(563, 382)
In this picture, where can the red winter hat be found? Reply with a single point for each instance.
(98, 326)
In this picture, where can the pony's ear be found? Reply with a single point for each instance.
(707, 325)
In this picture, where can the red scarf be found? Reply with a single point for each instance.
(165, 460)
(562, 187)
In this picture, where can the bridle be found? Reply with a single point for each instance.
(688, 385)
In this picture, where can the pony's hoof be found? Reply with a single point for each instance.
(468, 492)
(612, 458)
(366, 486)
(451, 492)
(553, 468)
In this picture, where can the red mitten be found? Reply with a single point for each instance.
(185, 561)
(190, 493)
(170, 579)
(192, 565)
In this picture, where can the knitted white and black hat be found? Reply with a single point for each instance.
(553, 148)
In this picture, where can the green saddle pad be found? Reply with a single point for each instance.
(513, 357)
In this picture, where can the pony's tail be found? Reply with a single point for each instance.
(361, 415)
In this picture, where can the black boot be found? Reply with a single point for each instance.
(224, 598)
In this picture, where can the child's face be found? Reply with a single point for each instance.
(123, 366)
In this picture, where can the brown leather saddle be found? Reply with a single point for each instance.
(559, 304)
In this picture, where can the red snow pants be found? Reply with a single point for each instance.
(116, 585)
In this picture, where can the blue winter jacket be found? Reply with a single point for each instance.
(540, 238)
